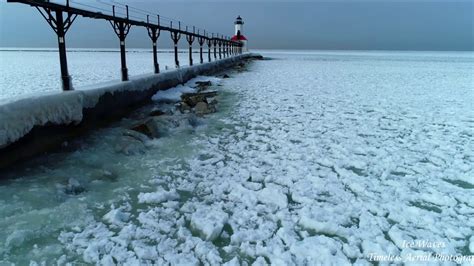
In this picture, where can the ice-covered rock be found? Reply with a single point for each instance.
(149, 127)
(172, 95)
(192, 99)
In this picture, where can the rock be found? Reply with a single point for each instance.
(136, 135)
(193, 121)
(202, 108)
(192, 99)
(202, 85)
(211, 100)
(212, 108)
(73, 187)
(240, 67)
(106, 175)
(141, 128)
(184, 107)
(157, 112)
(129, 146)
(225, 76)
(148, 128)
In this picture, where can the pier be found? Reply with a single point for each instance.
(61, 17)
(32, 126)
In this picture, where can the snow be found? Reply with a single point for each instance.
(18, 118)
(315, 158)
(172, 95)
(27, 72)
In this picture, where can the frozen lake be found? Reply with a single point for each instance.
(30, 71)
(313, 157)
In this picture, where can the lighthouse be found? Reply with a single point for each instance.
(239, 36)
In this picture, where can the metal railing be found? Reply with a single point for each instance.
(61, 16)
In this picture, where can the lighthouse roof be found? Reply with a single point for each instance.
(238, 20)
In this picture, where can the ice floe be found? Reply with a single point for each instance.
(315, 159)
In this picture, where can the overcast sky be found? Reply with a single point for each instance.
(340, 24)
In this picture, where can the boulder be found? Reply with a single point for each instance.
(225, 76)
(157, 112)
(211, 101)
(129, 146)
(192, 99)
(202, 85)
(193, 121)
(135, 134)
(202, 108)
(73, 187)
(148, 128)
(184, 107)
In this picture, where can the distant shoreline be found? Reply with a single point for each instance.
(185, 49)
(83, 50)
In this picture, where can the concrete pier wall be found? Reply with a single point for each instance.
(32, 126)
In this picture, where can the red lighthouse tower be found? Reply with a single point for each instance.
(239, 36)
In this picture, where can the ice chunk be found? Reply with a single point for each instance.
(160, 195)
(471, 244)
(318, 250)
(199, 79)
(172, 95)
(209, 222)
(232, 262)
(116, 217)
(273, 196)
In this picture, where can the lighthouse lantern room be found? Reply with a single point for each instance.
(239, 36)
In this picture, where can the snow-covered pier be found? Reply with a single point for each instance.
(31, 126)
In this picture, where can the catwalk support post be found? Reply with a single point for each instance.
(154, 33)
(201, 41)
(175, 36)
(122, 28)
(214, 43)
(190, 38)
(209, 45)
(60, 27)
(219, 42)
